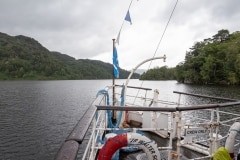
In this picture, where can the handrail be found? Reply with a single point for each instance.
(205, 96)
(143, 88)
(136, 108)
(69, 148)
(167, 109)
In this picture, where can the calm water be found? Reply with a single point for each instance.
(37, 116)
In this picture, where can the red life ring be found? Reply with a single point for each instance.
(123, 140)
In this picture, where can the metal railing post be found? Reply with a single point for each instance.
(179, 129)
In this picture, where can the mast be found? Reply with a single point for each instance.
(113, 80)
(113, 84)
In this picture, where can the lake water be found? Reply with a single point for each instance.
(37, 116)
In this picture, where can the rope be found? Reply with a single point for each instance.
(109, 113)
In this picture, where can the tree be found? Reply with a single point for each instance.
(214, 60)
(221, 36)
(208, 69)
(162, 73)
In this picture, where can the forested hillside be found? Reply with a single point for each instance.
(214, 60)
(159, 73)
(24, 58)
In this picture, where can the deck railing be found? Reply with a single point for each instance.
(69, 149)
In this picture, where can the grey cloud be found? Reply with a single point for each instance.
(84, 29)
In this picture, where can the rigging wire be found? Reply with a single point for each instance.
(158, 45)
(164, 30)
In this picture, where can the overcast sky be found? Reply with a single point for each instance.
(84, 29)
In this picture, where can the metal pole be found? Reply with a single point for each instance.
(113, 81)
(113, 84)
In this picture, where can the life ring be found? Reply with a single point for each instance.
(233, 131)
(126, 139)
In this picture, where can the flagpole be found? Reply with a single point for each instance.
(113, 84)
(113, 79)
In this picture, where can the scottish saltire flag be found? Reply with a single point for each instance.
(115, 63)
(128, 18)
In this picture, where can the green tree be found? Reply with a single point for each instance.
(214, 60)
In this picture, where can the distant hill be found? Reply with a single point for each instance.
(23, 58)
(140, 71)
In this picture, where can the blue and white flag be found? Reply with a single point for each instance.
(128, 18)
(115, 63)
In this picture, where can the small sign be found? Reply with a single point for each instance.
(196, 131)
